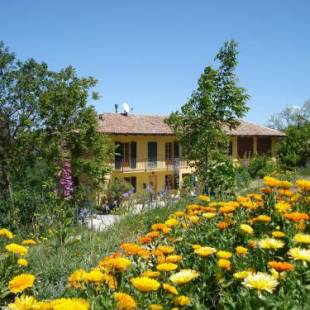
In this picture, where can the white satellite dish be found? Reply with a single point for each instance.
(126, 107)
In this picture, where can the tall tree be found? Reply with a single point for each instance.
(218, 102)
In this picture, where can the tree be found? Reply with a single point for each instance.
(218, 102)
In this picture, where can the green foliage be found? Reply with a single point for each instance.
(261, 166)
(242, 176)
(217, 102)
(116, 190)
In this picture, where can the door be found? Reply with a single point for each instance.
(152, 154)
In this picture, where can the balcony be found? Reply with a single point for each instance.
(149, 164)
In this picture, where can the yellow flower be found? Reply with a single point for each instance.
(77, 277)
(278, 234)
(300, 254)
(21, 282)
(240, 250)
(170, 289)
(196, 246)
(115, 263)
(261, 282)
(22, 262)
(70, 304)
(6, 233)
(42, 305)
(252, 243)
(262, 218)
(241, 274)
(302, 238)
(209, 215)
(193, 219)
(155, 307)
(124, 301)
(172, 222)
(204, 197)
(16, 249)
(271, 182)
(145, 284)
(282, 207)
(173, 258)
(166, 267)
(166, 249)
(29, 242)
(151, 274)
(285, 184)
(303, 185)
(270, 243)
(246, 229)
(181, 300)
(205, 251)
(184, 276)
(23, 303)
(224, 254)
(224, 263)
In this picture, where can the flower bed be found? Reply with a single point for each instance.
(252, 252)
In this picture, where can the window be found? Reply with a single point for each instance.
(245, 147)
(230, 148)
(152, 154)
(168, 152)
(263, 145)
(125, 154)
(171, 181)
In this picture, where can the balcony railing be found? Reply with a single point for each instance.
(149, 164)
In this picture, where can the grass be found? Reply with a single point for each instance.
(56, 257)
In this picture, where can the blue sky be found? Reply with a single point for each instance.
(151, 53)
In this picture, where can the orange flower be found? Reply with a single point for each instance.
(297, 216)
(223, 225)
(227, 209)
(158, 226)
(281, 266)
(153, 234)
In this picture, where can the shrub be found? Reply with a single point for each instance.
(261, 165)
(117, 191)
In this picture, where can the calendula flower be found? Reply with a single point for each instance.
(23, 303)
(159, 226)
(115, 263)
(247, 229)
(227, 209)
(173, 258)
(205, 251)
(16, 249)
(166, 249)
(223, 254)
(224, 263)
(153, 234)
(271, 182)
(184, 276)
(261, 282)
(151, 274)
(270, 243)
(6, 233)
(181, 300)
(262, 218)
(303, 185)
(77, 277)
(282, 207)
(196, 246)
(204, 197)
(155, 307)
(241, 274)
(280, 266)
(240, 250)
(300, 254)
(170, 289)
(172, 222)
(278, 234)
(297, 216)
(21, 282)
(70, 304)
(193, 219)
(22, 262)
(252, 243)
(209, 215)
(223, 225)
(167, 267)
(29, 242)
(124, 301)
(285, 184)
(302, 238)
(144, 284)
(144, 240)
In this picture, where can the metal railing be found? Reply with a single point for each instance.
(149, 164)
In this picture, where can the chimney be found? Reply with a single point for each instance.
(116, 108)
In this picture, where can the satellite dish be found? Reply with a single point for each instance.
(126, 107)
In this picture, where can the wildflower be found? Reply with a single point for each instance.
(29, 242)
(158, 226)
(145, 284)
(223, 225)
(155, 307)
(151, 274)
(135, 249)
(166, 249)
(265, 190)
(285, 192)
(77, 277)
(300, 254)
(261, 282)
(144, 240)
(227, 209)
(241, 274)
(196, 246)
(184, 276)
(166, 267)
(6, 233)
(303, 185)
(240, 250)
(252, 243)
(297, 216)
(23, 303)
(271, 182)
(280, 266)
(209, 215)
(205, 251)
(173, 258)
(153, 234)
(302, 238)
(170, 289)
(22, 262)
(115, 263)
(262, 218)
(124, 301)
(285, 184)
(21, 282)
(70, 304)
(282, 207)
(172, 222)
(181, 300)
(224, 263)
(246, 229)
(278, 234)
(224, 254)
(270, 243)
(16, 249)
(204, 197)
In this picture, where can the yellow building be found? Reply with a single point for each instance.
(148, 154)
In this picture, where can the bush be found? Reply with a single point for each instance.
(242, 176)
(117, 191)
(260, 166)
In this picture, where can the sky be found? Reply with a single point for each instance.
(150, 54)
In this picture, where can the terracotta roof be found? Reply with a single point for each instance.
(116, 123)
